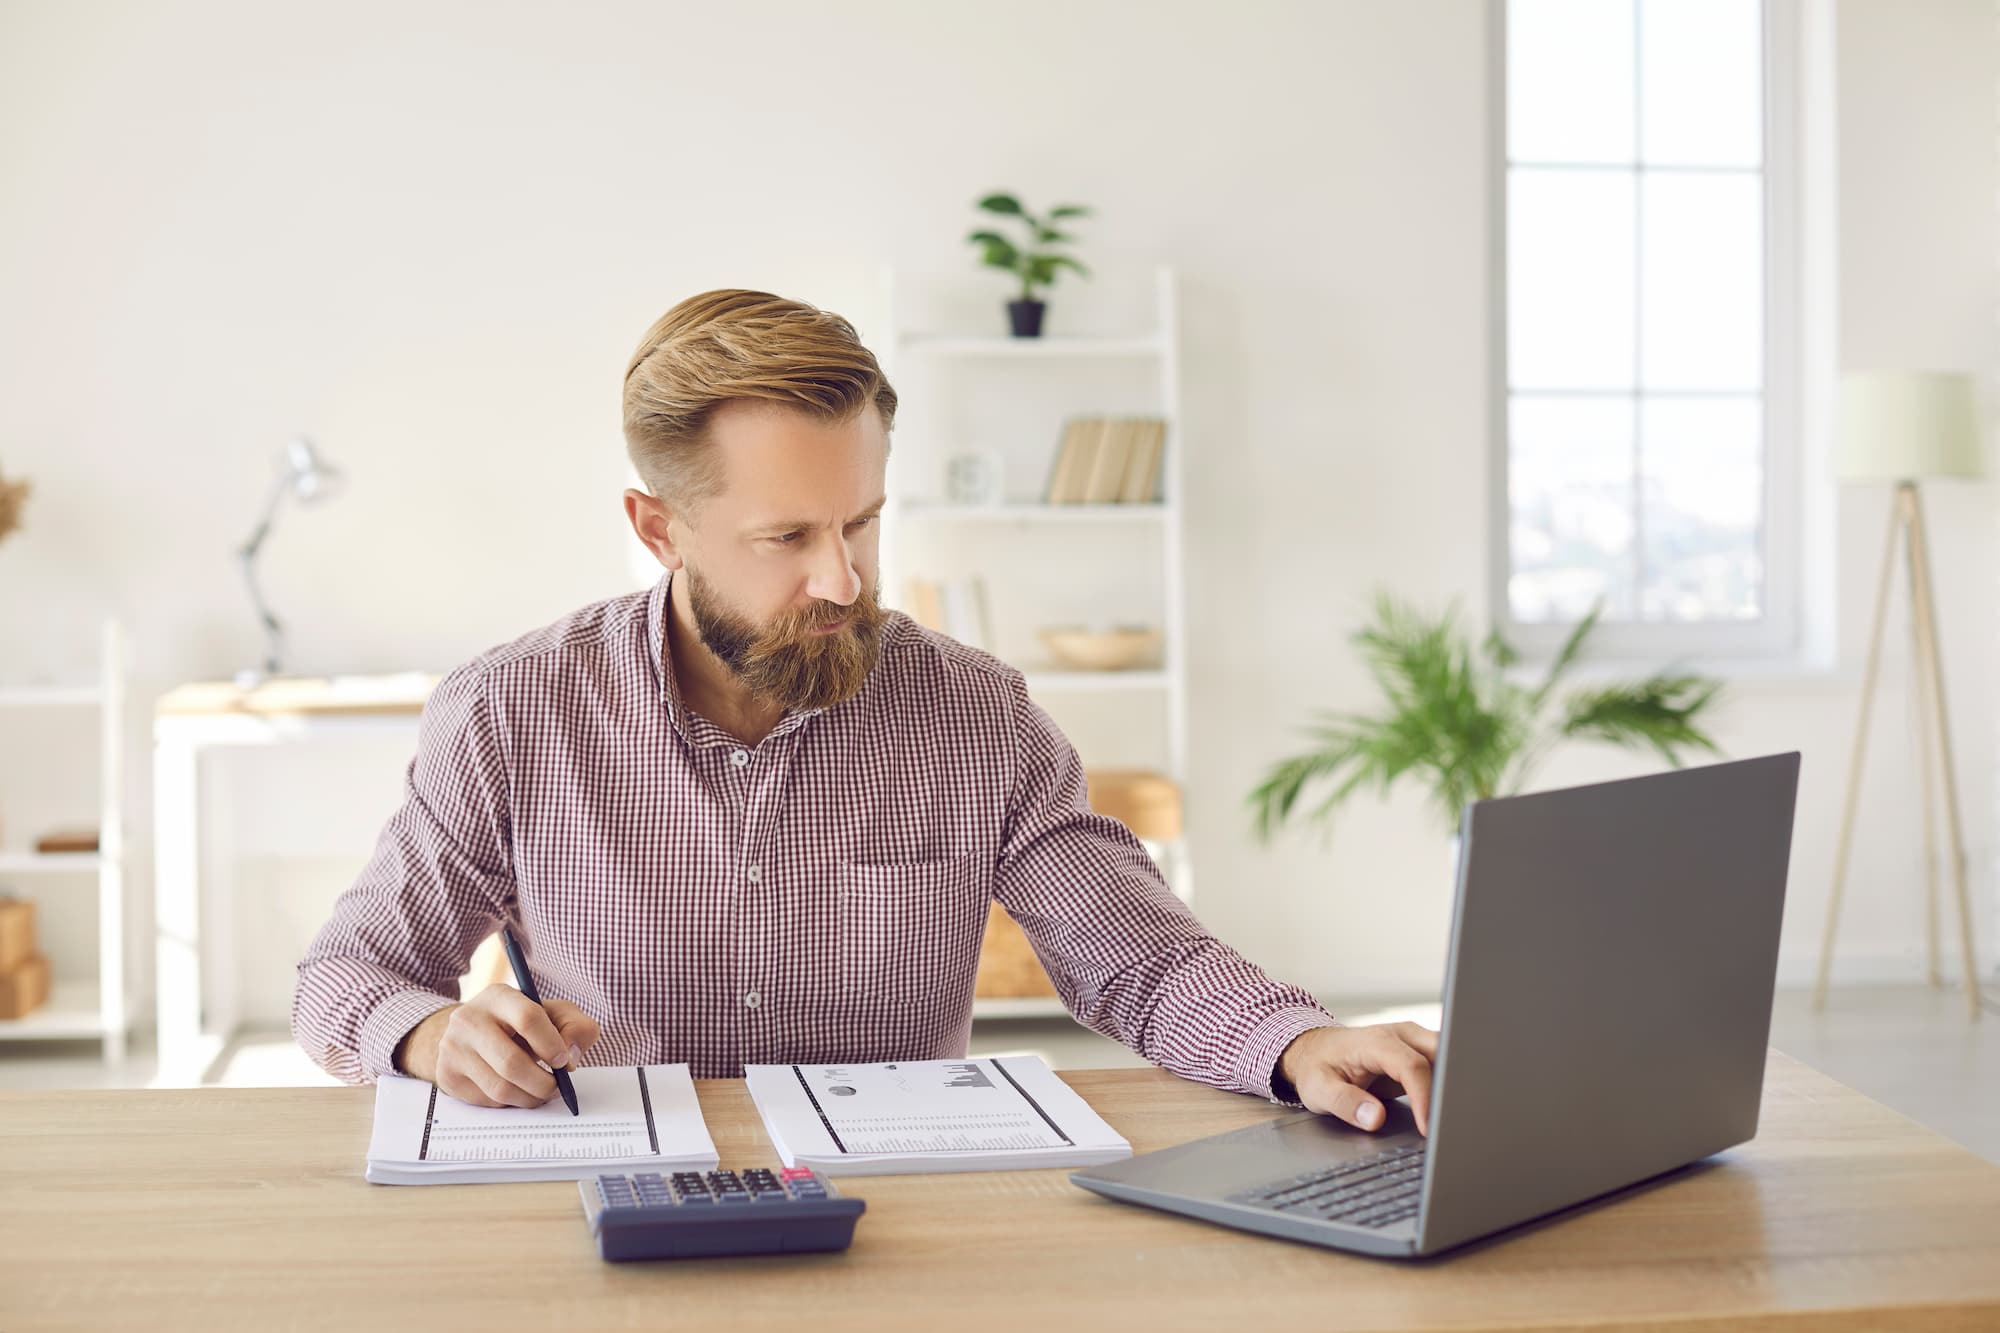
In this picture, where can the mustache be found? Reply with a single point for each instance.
(819, 615)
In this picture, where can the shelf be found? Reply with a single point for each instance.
(50, 696)
(1026, 1006)
(23, 863)
(72, 1012)
(1058, 679)
(941, 344)
(1034, 512)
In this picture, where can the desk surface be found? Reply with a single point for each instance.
(245, 1208)
(285, 696)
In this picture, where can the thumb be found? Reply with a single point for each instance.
(574, 1026)
(1336, 1097)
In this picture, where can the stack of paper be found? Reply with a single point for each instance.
(630, 1118)
(1008, 1113)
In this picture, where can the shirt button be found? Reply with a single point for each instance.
(752, 1000)
(740, 758)
(756, 875)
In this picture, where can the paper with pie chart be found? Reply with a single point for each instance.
(929, 1115)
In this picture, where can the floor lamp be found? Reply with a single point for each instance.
(1901, 426)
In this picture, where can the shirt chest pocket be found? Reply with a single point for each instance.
(911, 931)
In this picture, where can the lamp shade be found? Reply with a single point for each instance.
(310, 476)
(1900, 424)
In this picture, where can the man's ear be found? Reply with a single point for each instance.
(655, 526)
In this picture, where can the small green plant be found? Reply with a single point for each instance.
(1457, 723)
(1033, 264)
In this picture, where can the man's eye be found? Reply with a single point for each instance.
(786, 539)
(862, 522)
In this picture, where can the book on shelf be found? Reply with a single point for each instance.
(955, 608)
(1107, 464)
(1142, 468)
(1107, 460)
(1072, 461)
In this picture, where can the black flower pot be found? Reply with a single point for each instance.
(1026, 317)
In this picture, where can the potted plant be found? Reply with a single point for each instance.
(1457, 723)
(1032, 262)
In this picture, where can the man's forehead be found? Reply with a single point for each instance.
(778, 465)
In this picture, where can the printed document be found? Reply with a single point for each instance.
(998, 1113)
(631, 1118)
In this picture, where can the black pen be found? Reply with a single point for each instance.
(527, 983)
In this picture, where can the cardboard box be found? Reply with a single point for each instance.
(17, 932)
(1008, 968)
(25, 989)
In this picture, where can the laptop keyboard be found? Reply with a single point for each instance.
(1376, 1191)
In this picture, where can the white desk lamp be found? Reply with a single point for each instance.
(304, 474)
(1901, 426)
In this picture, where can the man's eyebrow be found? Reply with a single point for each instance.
(810, 525)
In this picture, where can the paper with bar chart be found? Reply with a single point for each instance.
(1001, 1113)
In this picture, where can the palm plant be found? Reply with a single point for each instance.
(1459, 724)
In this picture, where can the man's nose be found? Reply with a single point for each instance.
(833, 577)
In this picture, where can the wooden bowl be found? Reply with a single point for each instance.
(1118, 649)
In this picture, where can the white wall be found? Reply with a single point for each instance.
(429, 235)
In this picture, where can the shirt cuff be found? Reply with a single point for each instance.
(1257, 1064)
(390, 1021)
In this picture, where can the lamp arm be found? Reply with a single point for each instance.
(246, 557)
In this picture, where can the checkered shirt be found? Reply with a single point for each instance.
(818, 897)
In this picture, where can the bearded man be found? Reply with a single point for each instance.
(748, 816)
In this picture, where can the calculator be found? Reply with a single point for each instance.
(695, 1214)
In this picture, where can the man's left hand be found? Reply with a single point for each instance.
(1344, 1071)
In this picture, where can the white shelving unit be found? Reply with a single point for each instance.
(910, 356)
(78, 1009)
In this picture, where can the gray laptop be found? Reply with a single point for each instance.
(1607, 1006)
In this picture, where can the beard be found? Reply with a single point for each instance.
(786, 662)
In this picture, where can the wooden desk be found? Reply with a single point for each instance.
(245, 1208)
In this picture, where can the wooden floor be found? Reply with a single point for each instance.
(1908, 1047)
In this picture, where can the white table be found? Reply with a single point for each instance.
(188, 722)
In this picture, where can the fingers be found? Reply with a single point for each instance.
(477, 1083)
(1418, 1036)
(1413, 1071)
(1397, 1057)
(481, 1059)
(1335, 1096)
(465, 1072)
(522, 1015)
(488, 1055)
(503, 1052)
(577, 1030)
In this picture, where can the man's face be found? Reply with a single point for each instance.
(783, 566)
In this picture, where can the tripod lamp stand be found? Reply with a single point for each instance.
(1901, 426)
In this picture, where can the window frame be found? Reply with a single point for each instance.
(1778, 632)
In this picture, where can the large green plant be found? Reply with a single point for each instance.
(1035, 265)
(1458, 722)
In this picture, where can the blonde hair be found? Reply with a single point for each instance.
(731, 344)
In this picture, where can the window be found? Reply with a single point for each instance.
(1643, 399)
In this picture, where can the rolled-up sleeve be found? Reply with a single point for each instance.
(1128, 958)
(438, 882)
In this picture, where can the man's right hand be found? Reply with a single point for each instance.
(483, 1051)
